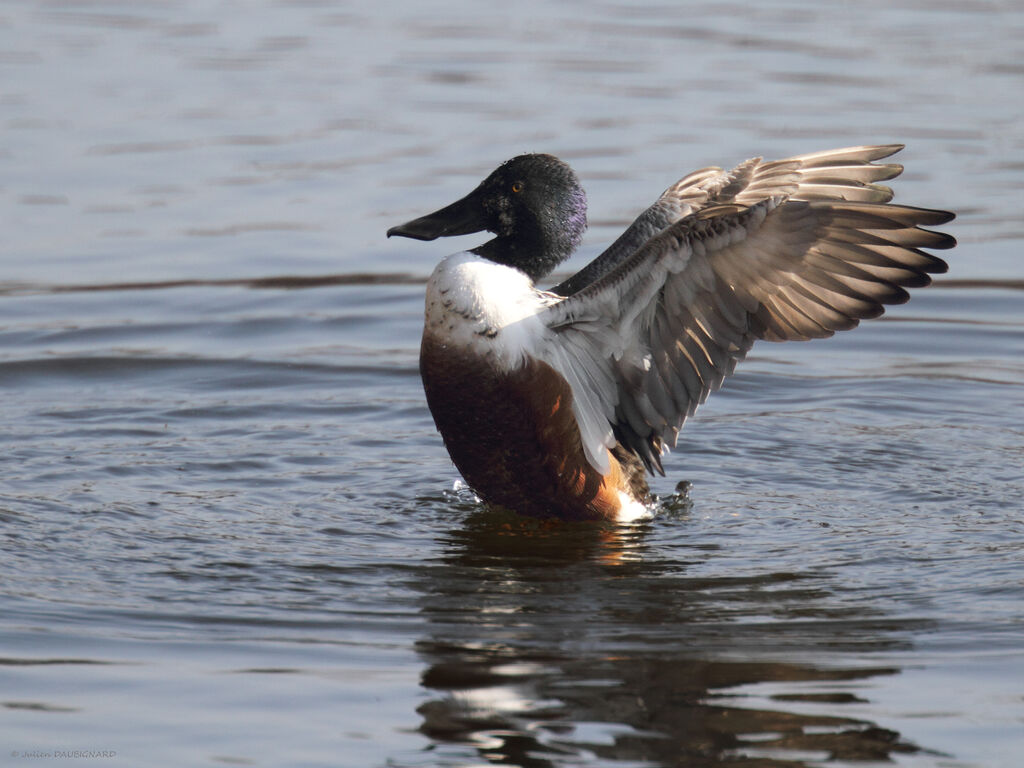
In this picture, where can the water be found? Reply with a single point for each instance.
(230, 532)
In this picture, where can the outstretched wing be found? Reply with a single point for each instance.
(845, 174)
(793, 249)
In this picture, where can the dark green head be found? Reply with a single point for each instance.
(535, 206)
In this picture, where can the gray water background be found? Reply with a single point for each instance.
(230, 534)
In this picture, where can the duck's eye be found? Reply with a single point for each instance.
(517, 187)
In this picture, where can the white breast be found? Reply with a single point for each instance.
(483, 308)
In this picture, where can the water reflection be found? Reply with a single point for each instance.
(550, 644)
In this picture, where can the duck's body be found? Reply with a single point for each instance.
(551, 403)
(505, 414)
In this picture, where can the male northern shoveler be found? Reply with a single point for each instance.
(552, 403)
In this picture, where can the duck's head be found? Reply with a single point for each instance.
(533, 203)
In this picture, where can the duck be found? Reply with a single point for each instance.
(560, 402)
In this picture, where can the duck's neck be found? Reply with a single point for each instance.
(530, 260)
(534, 254)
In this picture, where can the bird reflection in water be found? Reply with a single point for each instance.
(549, 644)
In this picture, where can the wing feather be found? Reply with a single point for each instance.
(784, 250)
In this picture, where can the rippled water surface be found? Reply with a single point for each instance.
(230, 534)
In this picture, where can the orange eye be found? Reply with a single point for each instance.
(517, 186)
